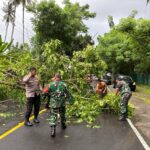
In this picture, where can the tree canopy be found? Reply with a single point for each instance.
(126, 47)
(65, 23)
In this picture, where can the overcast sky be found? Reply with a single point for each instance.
(98, 25)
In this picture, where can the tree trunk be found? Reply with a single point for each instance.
(23, 12)
(12, 34)
(6, 32)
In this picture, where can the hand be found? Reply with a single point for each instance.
(30, 74)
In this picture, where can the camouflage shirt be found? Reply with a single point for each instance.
(59, 94)
(123, 88)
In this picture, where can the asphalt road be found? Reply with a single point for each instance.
(112, 135)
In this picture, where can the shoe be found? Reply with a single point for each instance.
(36, 121)
(53, 131)
(63, 126)
(47, 107)
(28, 123)
(122, 118)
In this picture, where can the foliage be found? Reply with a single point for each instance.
(118, 51)
(111, 21)
(14, 64)
(66, 24)
(126, 47)
(52, 61)
(88, 109)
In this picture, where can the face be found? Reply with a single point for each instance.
(57, 79)
(117, 81)
(33, 73)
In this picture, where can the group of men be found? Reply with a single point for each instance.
(58, 94)
(122, 89)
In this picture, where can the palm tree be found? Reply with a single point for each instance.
(23, 14)
(111, 21)
(15, 3)
(8, 9)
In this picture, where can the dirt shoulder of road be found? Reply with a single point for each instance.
(141, 119)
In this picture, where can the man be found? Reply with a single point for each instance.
(58, 95)
(32, 87)
(101, 89)
(124, 90)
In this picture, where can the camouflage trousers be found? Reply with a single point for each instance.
(54, 115)
(124, 104)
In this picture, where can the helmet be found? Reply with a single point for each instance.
(119, 78)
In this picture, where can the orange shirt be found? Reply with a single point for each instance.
(101, 87)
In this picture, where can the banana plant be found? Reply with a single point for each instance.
(3, 46)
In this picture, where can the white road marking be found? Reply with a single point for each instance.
(139, 136)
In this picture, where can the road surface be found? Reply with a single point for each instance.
(112, 135)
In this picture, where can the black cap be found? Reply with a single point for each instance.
(32, 69)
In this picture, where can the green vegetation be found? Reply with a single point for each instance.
(144, 89)
(126, 47)
(88, 109)
(143, 93)
(62, 44)
(65, 23)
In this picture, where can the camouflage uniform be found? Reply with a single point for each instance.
(125, 93)
(58, 95)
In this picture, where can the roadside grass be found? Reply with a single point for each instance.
(143, 93)
(144, 89)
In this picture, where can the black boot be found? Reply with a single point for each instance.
(63, 126)
(47, 107)
(36, 120)
(122, 118)
(28, 123)
(53, 131)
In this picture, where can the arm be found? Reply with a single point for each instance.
(117, 91)
(105, 88)
(118, 88)
(26, 78)
(97, 89)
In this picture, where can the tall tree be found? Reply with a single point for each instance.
(126, 48)
(148, 2)
(66, 24)
(133, 13)
(8, 9)
(15, 3)
(23, 17)
(111, 21)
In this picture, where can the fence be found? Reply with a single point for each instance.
(142, 78)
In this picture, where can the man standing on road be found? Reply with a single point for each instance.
(101, 89)
(58, 95)
(32, 87)
(124, 90)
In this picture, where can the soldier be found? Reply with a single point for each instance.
(58, 95)
(33, 89)
(124, 90)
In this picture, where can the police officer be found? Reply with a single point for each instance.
(33, 89)
(58, 95)
(124, 90)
